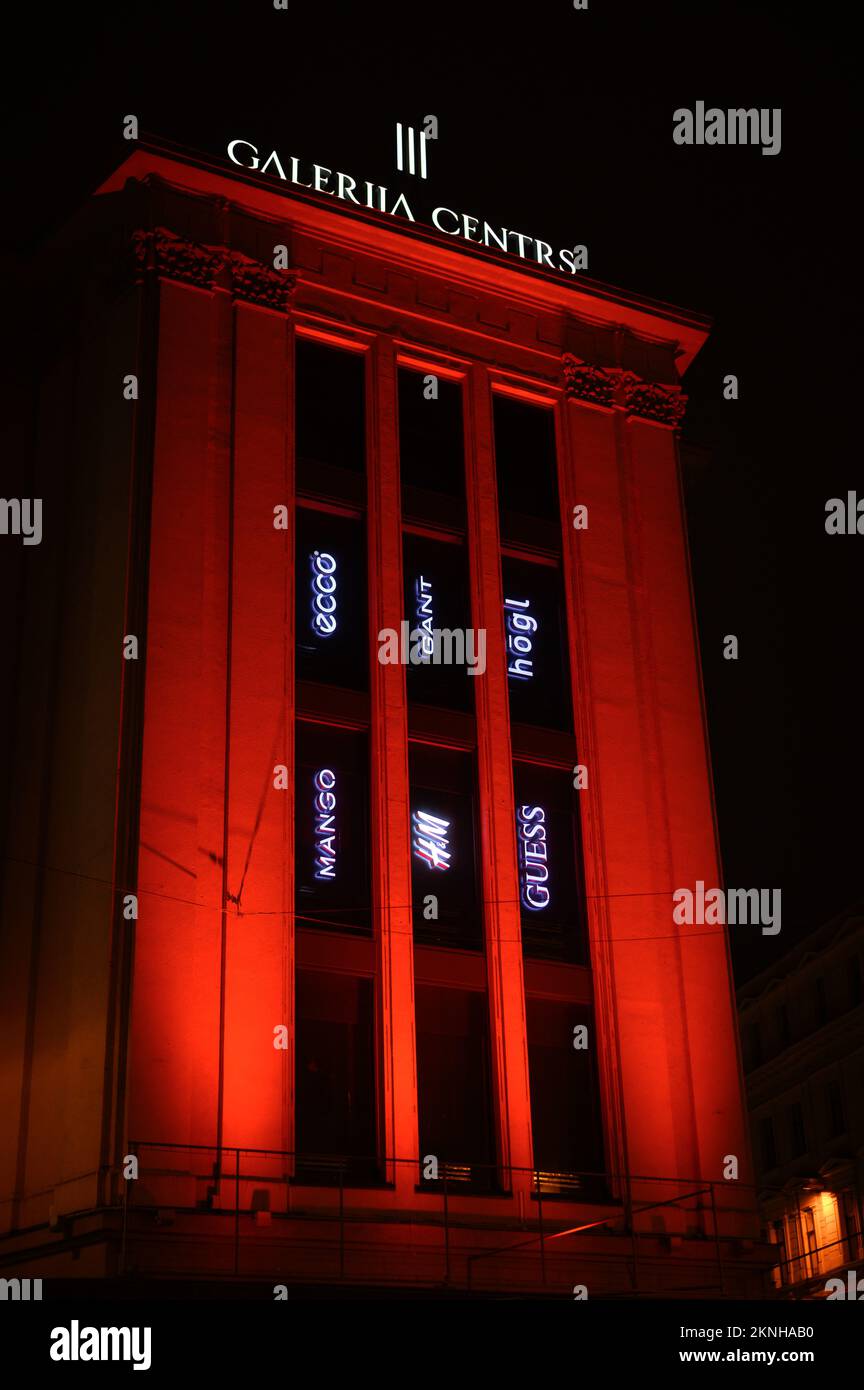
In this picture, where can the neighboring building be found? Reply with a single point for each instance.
(281, 920)
(802, 1027)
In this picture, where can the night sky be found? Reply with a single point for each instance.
(559, 123)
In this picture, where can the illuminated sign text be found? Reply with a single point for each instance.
(425, 617)
(533, 856)
(430, 839)
(372, 195)
(323, 593)
(325, 824)
(520, 662)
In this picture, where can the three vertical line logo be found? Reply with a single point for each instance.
(411, 146)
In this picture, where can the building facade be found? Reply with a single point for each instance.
(328, 967)
(802, 1027)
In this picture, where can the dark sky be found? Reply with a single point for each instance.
(559, 123)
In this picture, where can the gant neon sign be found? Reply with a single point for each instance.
(425, 617)
(323, 593)
(520, 662)
(533, 857)
(325, 824)
(431, 843)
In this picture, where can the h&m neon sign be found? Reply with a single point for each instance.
(325, 824)
(431, 842)
(533, 857)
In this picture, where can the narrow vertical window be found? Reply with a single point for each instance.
(443, 851)
(454, 1086)
(431, 447)
(335, 1078)
(330, 593)
(330, 421)
(331, 829)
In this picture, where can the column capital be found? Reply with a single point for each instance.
(586, 382)
(259, 283)
(614, 386)
(174, 257)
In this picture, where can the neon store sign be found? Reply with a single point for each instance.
(533, 857)
(325, 824)
(430, 841)
(520, 638)
(323, 593)
(425, 617)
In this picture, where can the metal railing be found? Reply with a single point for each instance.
(340, 1218)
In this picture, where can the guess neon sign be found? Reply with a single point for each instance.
(325, 824)
(323, 593)
(519, 622)
(431, 842)
(425, 617)
(533, 856)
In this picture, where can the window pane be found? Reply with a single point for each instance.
(443, 860)
(565, 1115)
(332, 636)
(538, 669)
(437, 598)
(330, 420)
(335, 1077)
(332, 829)
(547, 840)
(431, 449)
(528, 502)
(453, 1083)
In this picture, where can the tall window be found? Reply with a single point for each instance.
(331, 829)
(767, 1143)
(438, 612)
(330, 590)
(565, 1116)
(528, 504)
(795, 1129)
(547, 841)
(453, 1082)
(835, 1109)
(431, 448)
(443, 848)
(535, 632)
(330, 421)
(335, 1078)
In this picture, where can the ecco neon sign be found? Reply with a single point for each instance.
(520, 664)
(323, 593)
(533, 856)
(431, 843)
(325, 824)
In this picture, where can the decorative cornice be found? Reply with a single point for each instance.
(259, 284)
(666, 404)
(587, 383)
(612, 386)
(212, 267)
(173, 257)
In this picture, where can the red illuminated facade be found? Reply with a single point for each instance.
(325, 1077)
